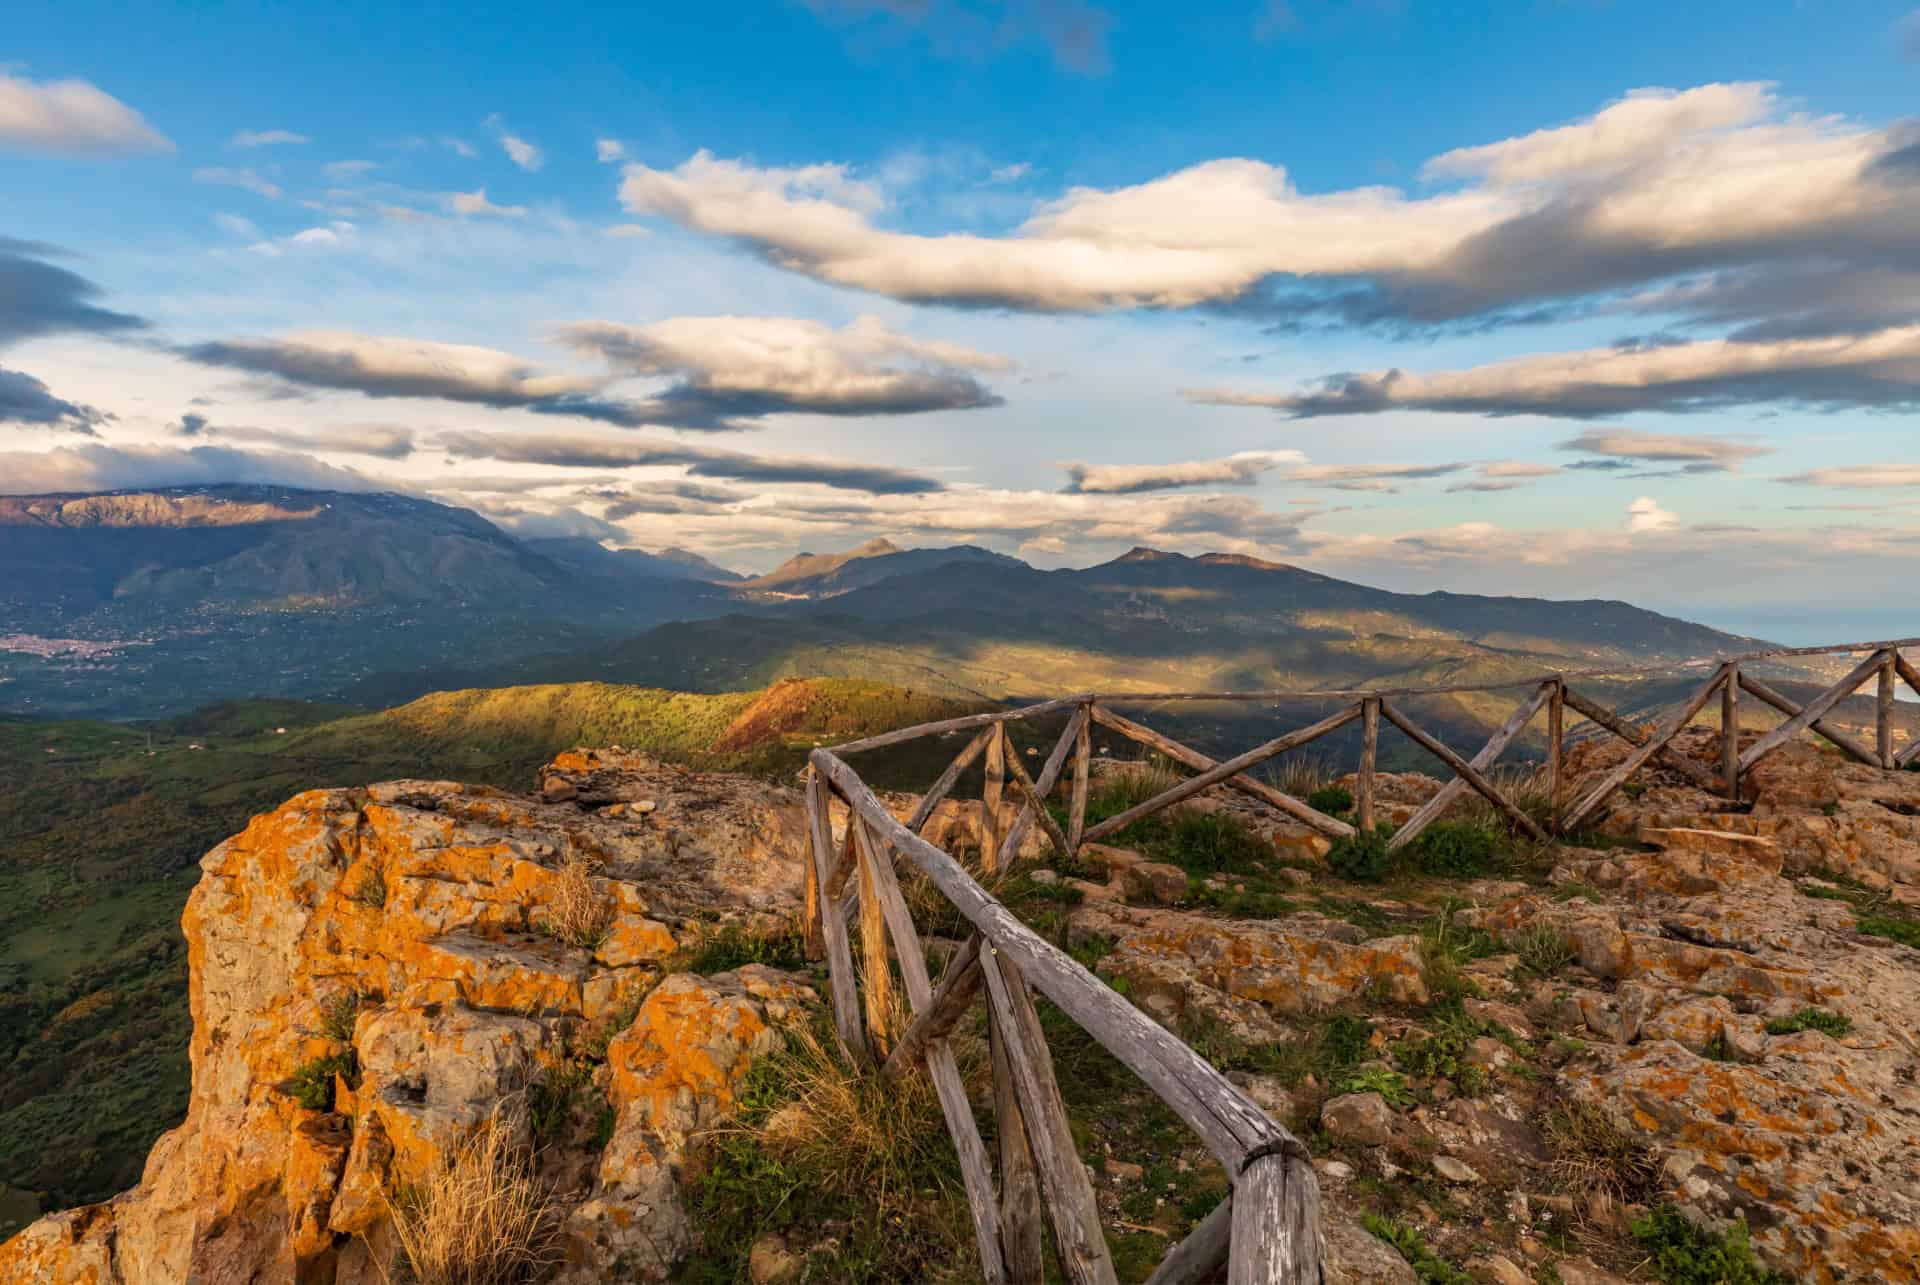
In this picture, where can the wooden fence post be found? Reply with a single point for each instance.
(1369, 750)
(1082, 768)
(1556, 751)
(833, 928)
(1883, 723)
(1730, 732)
(990, 795)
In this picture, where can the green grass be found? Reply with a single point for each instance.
(1362, 858)
(727, 947)
(1893, 928)
(1429, 1268)
(1390, 1085)
(1201, 843)
(1683, 1254)
(1823, 1020)
(1331, 799)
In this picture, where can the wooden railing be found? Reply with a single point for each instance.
(1267, 1230)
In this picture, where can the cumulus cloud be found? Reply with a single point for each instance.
(1660, 184)
(1621, 448)
(1241, 469)
(518, 150)
(699, 461)
(728, 367)
(1859, 476)
(247, 180)
(609, 150)
(1881, 369)
(71, 116)
(1073, 30)
(1645, 514)
(94, 467)
(468, 204)
(267, 138)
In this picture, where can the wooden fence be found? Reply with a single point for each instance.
(1267, 1230)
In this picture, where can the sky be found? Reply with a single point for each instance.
(1566, 297)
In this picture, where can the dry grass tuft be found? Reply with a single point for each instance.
(1299, 774)
(481, 1217)
(1596, 1158)
(577, 911)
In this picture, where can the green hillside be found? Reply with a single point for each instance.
(101, 827)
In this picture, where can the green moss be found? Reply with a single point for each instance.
(1683, 1254)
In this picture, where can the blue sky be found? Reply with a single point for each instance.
(1057, 276)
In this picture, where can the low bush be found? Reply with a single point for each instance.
(1543, 949)
(1457, 849)
(1683, 1254)
(1823, 1020)
(1362, 858)
(1331, 799)
(1593, 1156)
(312, 1082)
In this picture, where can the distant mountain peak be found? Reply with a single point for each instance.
(1141, 553)
(1243, 560)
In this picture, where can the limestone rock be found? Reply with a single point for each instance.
(1361, 1118)
(1355, 1256)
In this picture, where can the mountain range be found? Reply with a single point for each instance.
(194, 594)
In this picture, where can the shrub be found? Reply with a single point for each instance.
(1209, 843)
(1904, 931)
(577, 912)
(1811, 1019)
(312, 1082)
(1331, 799)
(1389, 1084)
(480, 1216)
(1684, 1254)
(1362, 858)
(1456, 849)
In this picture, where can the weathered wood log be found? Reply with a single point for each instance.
(1222, 771)
(876, 974)
(1072, 1208)
(1730, 732)
(1657, 742)
(1276, 1224)
(1022, 1230)
(1082, 768)
(1462, 769)
(1556, 749)
(833, 928)
(1279, 800)
(1788, 706)
(1038, 791)
(1227, 1121)
(1496, 745)
(1883, 715)
(1363, 783)
(975, 1172)
(991, 793)
(957, 724)
(1815, 710)
(942, 787)
(1910, 675)
(937, 1018)
(813, 936)
(1601, 716)
(843, 867)
(1909, 755)
(1202, 1254)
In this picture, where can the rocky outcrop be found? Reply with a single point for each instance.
(374, 971)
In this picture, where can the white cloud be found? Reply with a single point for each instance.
(384, 366)
(1661, 182)
(1877, 369)
(238, 226)
(266, 138)
(1645, 514)
(246, 179)
(459, 147)
(1616, 447)
(476, 203)
(609, 150)
(1517, 468)
(518, 150)
(1367, 477)
(1242, 469)
(340, 171)
(71, 116)
(110, 468)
